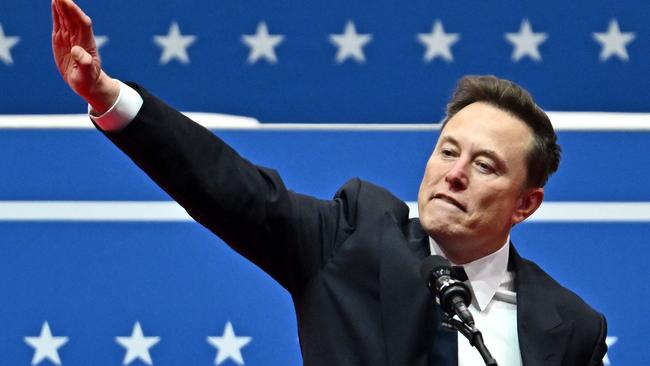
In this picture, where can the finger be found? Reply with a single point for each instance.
(75, 9)
(62, 35)
(64, 20)
(68, 16)
(77, 16)
(86, 27)
(59, 16)
(81, 57)
(55, 18)
(81, 22)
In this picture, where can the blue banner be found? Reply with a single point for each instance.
(98, 267)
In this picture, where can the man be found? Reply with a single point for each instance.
(351, 264)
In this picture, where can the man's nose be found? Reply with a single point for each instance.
(457, 176)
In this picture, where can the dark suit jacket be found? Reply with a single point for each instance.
(351, 263)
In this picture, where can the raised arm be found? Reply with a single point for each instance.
(290, 236)
(76, 56)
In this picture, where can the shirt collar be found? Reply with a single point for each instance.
(484, 274)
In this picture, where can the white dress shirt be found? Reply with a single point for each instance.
(494, 304)
(494, 308)
(123, 111)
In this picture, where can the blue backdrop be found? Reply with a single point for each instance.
(93, 281)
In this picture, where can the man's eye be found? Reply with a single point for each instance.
(447, 152)
(484, 167)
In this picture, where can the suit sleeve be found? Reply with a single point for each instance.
(600, 348)
(288, 235)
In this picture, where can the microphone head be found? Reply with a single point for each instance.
(434, 263)
(437, 273)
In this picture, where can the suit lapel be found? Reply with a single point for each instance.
(542, 332)
(406, 303)
(411, 318)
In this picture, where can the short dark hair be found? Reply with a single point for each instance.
(544, 156)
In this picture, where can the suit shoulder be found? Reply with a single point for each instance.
(567, 301)
(365, 198)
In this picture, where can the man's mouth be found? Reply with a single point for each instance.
(448, 199)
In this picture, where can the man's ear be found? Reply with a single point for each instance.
(527, 204)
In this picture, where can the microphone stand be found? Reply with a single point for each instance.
(472, 334)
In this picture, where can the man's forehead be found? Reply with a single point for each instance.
(484, 119)
(482, 109)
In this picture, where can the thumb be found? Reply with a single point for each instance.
(81, 57)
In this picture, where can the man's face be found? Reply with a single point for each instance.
(473, 188)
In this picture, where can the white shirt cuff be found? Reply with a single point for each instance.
(121, 113)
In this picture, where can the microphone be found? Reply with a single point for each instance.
(452, 295)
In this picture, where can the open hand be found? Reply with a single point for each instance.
(76, 56)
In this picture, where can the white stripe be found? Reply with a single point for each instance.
(593, 212)
(562, 121)
(582, 212)
(92, 211)
(171, 211)
(82, 121)
(600, 121)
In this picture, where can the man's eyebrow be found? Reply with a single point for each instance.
(490, 154)
(447, 138)
(500, 162)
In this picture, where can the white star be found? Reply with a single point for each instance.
(438, 43)
(100, 41)
(137, 345)
(614, 42)
(174, 45)
(5, 46)
(262, 44)
(610, 342)
(46, 346)
(350, 44)
(526, 42)
(229, 346)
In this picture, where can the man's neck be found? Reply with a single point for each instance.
(463, 253)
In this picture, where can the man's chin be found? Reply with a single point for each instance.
(437, 227)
